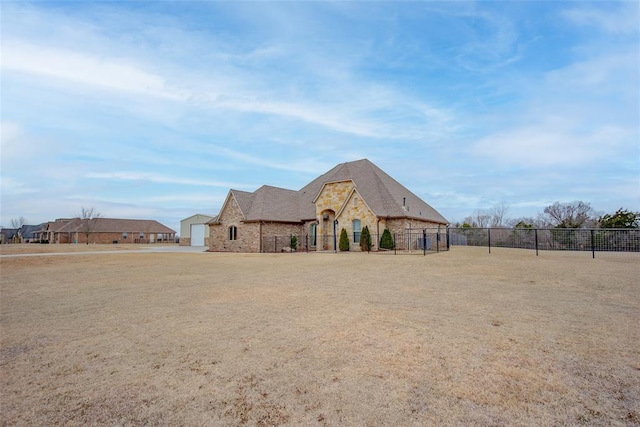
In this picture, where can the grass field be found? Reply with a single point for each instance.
(458, 338)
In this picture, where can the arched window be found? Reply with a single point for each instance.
(356, 230)
(233, 232)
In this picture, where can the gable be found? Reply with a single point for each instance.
(383, 194)
(333, 195)
(231, 211)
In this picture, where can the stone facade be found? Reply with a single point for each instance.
(247, 238)
(351, 196)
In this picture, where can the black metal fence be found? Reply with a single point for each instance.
(409, 242)
(550, 239)
(424, 241)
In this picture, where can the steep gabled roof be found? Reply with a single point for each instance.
(244, 200)
(384, 195)
(28, 231)
(9, 233)
(274, 204)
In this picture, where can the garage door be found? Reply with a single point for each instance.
(197, 234)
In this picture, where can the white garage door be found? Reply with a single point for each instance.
(197, 234)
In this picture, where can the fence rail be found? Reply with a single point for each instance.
(424, 241)
(409, 242)
(550, 239)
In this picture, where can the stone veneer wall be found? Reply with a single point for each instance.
(248, 235)
(332, 197)
(355, 208)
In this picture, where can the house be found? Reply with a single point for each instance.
(8, 235)
(105, 230)
(27, 233)
(352, 195)
(48, 232)
(194, 231)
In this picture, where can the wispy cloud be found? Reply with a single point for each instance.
(612, 17)
(163, 179)
(82, 68)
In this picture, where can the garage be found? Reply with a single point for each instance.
(194, 231)
(197, 234)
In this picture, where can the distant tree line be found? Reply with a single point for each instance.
(576, 214)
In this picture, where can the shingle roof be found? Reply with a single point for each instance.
(9, 233)
(244, 199)
(383, 194)
(274, 204)
(28, 231)
(115, 225)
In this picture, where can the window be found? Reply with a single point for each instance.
(124, 235)
(356, 230)
(312, 236)
(233, 233)
(142, 235)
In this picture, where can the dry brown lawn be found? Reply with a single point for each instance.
(458, 338)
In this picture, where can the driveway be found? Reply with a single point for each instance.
(146, 249)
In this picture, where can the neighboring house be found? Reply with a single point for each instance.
(351, 196)
(48, 232)
(8, 235)
(194, 231)
(27, 233)
(106, 230)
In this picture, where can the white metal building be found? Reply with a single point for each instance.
(194, 230)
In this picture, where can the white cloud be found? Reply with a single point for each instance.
(83, 68)
(549, 144)
(12, 186)
(619, 18)
(162, 179)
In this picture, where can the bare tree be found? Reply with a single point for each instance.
(89, 217)
(17, 223)
(569, 215)
(482, 218)
(498, 212)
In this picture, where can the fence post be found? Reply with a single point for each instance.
(275, 244)
(306, 242)
(448, 238)
(424, 242)
(438, 240)
(395, 244)
(536, 234)
(489, 238)
(593, 245)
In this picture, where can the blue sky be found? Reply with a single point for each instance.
(155, 109)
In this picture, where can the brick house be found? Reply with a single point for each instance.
(105, 230)
(352, 195)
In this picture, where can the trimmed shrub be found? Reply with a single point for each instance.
(386, 241)
(344, 240)
(293, 244)
(365, 239)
